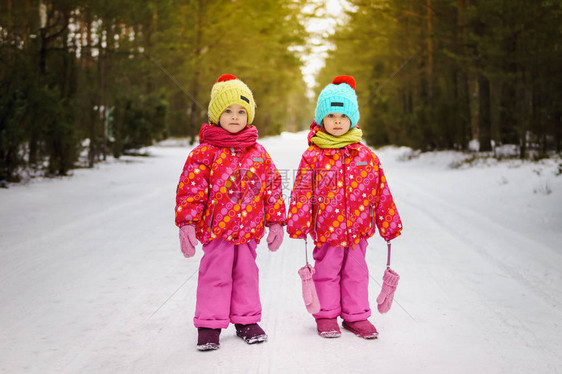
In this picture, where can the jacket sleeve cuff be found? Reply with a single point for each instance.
(282, 223)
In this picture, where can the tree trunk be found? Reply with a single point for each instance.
(103, 98)
(194, 117)
(462, 76)
(44, 40)
(147, 30)
(525, 113)
(34, 133)
(86, 53)
(484, 121)
(558, 130)
(508, 99)
(429, 51)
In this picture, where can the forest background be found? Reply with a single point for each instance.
(84, 80)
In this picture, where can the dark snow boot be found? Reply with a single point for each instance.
(251, 333)
(328, 327)
(208, 339)
(363, 329)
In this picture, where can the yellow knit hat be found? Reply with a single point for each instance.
(230, 90)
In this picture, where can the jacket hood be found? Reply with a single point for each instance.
(314, 128)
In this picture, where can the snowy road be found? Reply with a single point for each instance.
(92, 279)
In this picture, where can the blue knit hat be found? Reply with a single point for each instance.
(338, 97)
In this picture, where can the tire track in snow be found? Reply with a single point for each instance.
(469, 226)
(87, 221)
(507, 312)
(496, 303)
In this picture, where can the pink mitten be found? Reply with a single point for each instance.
(275, 237)
(389, 282)
(308, 290)
(188, 240)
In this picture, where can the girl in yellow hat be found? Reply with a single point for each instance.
(228, 193)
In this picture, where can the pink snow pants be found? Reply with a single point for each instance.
(342, 282)
(228, 286)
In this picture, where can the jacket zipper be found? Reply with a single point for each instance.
(372, 215)
(212, 217)
(239, 183)
(345, 154)
(315, 221)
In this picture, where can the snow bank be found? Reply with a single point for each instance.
(92, 279)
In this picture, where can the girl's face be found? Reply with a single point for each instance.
(336, 124)
(234, 118)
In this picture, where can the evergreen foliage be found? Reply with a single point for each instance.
(102, 77)
(435, 74)
(97, 77)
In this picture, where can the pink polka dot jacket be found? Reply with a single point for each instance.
(341, 196)
(229, 193)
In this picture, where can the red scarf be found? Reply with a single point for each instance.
(219, 137)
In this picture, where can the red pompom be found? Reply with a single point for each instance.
(226, 77)
(344, 79)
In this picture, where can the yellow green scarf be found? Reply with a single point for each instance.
(325, 140)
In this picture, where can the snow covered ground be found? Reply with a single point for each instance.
(92, 279)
